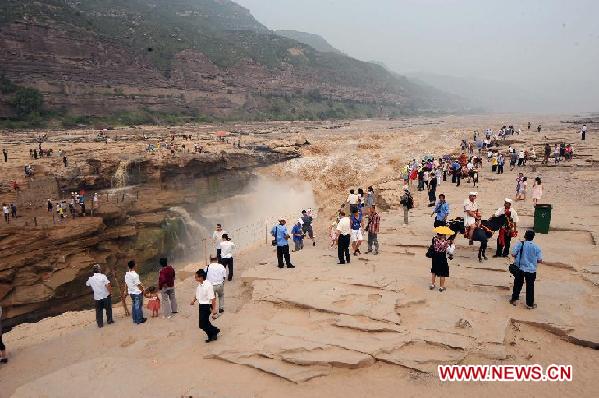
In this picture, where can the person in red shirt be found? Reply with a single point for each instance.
(166, 285)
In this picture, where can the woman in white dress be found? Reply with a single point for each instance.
(537, 191)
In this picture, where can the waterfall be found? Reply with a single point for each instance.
(191, 244)
(121, 175)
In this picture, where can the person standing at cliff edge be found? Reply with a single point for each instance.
(279, 232)
(166, 285)
(135, 289)
(102, 295)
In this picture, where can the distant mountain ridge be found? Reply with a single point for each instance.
(197, 57)
(315, 41)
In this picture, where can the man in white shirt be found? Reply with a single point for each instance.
(470, 213)
(207, 303)
(217, 238)
(226, 254)
(102, 290)
(216, 274)
(353, 200)
(6, 211)
(583, 132)
(343, 238)
(135, 290)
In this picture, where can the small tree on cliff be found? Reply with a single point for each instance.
(27, 101)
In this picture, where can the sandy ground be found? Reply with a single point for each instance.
(371, 327)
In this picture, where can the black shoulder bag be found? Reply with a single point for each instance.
(274, 241)
(513, 268)
(431, 250)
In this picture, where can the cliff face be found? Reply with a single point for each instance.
(190, 56)
(44, 268)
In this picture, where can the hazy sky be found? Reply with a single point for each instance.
(547, 47)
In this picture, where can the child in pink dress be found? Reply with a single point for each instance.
(153, 301)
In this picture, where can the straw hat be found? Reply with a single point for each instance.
(443, 230)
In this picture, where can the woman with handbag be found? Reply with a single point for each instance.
(437, 252)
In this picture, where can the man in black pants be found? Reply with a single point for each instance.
(527, 255)
(343, 238)
(207, 304)
(508, 228)
(102, 295)
(279, 232)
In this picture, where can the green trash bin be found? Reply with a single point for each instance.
(542, 218)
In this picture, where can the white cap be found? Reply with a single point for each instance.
(282, 219)
(473, 193)
(508, 200)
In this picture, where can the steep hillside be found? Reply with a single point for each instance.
(193, 57)
(317, 42)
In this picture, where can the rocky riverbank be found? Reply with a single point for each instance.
(47, 260)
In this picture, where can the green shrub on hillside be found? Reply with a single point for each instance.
(27, 101)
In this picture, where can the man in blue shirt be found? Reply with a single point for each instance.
(526, 257)
(442, 212)
(279, 232)
(298, 236)
(456, 173)
(356, 224)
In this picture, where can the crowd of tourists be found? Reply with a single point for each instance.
(503, 222)
(357, 220)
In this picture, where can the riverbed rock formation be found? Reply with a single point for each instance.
(46, 261)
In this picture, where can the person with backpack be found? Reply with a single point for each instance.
(527, 255)
(407, 201)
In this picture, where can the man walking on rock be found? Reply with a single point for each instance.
(226, 254)
(207, 304)
(216, 274)
(166, 285)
